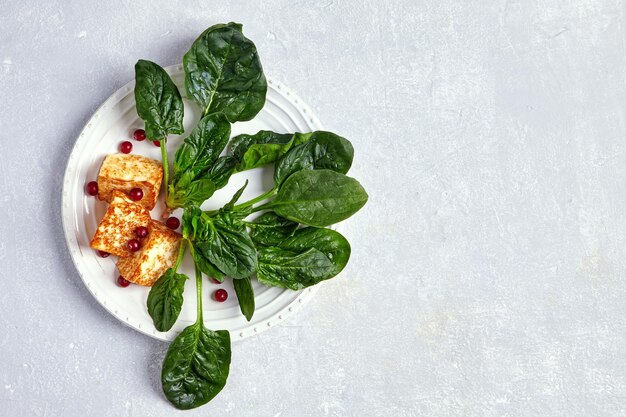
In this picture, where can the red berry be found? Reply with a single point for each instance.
(136, 194)
(133, 245)
(172, 223)
(156, 142)
(220, 295)
(122, 282)
(141, 232)
(103, 254)
(126, 147)
(91, 188)
(139, 135)
(215, 281)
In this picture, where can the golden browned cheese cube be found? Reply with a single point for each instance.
(158, 252)
(118, 225)
(124, 172)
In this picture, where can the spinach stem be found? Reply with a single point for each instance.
(181, 255)
(198, 287)
(255, 200)
(166, 166)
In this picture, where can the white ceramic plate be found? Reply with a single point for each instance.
(113, 123)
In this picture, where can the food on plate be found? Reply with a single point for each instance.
(158, 252)
(288, 245)
(126, 172)
(118, 225)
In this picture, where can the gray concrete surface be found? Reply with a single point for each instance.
(488, 270)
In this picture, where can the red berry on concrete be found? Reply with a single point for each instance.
(122, 282)
(156, 142)
(172, 223)
(139, 135)
(141, 232)
(133, 245)
(126, 147)
(220, 295)
(91, 188)
(136, 194)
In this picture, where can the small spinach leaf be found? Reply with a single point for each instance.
(257, 150)
(223, 73)
(323, 150)
(318, 198)
(270, 229)
(309, 256)
(158, 101)
(196, 366)
(165, 299)
(245, 295)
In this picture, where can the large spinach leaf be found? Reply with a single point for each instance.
(158, 101)
(270, 229)
(165, 299)
(318, 198)
(196, 366)
(223, 73)
(309, 256)
(245, 295)
(322, 150)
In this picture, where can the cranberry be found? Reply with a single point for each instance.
(136, 194)
(172, 223)
(103, 254)
(141, 232)
(156, 142)
(139, 135)
(91, 188)
(126, 147)
(220, 295)
(133, 245)
(122, 282)
(215, 281)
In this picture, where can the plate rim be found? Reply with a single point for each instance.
(67, 215)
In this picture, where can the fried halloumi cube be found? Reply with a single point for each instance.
(158, 253)
(124, 172)
(118, 225)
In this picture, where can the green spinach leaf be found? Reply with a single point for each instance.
(158, 101)
(318, 198)
(165, 299)
(309, 256)
(196, 366)
(245, 295)
(257, 150)
(223, 73)
(323, 150)
(270, 229)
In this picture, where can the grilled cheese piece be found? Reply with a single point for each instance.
(118, 225)
(158, 252)
(124, 172)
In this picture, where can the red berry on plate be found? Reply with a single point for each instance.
(156, 142)
(103, 254)
(136, 194)
(139, 135)
(133, 245)
(122, 282)
(172, 223)
(126, 147)
(141, 232)
(91, 188)
(220, 295)
(215, 281)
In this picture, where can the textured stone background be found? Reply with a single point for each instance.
(487, 272)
